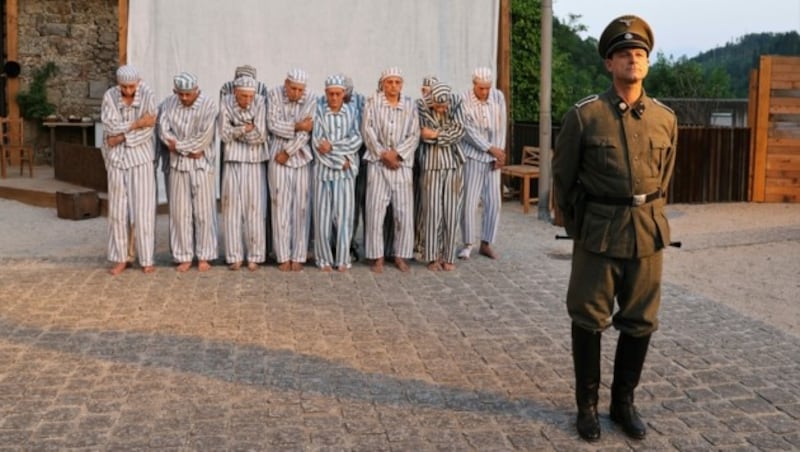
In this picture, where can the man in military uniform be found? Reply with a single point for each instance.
(612, 164)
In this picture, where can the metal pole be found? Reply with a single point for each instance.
(545, 114)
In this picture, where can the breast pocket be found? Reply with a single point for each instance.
(604, 155)
(658, 154)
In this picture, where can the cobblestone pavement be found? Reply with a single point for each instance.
(477, 359)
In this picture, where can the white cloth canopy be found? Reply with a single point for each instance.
(360, 38)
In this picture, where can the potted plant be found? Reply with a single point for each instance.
(33, 103)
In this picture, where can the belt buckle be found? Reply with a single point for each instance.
(638, 200)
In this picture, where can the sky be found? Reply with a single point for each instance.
(687, 27)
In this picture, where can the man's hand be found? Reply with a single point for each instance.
(324, 147)
(304, 126)
(391, 159)
(197, 155)
(428, 133)
(114, 140)
(249, 127)
(346, 165)
(146, 120)
(499, 157)
(282, 157)
(172, 145)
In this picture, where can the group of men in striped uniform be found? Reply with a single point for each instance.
(302, 158)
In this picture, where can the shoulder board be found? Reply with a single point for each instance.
(661, 104)
(586, 100)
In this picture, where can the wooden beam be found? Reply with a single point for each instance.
(504, 65)
(761, 130)
(123, 32)
(12, 54)
(752, 113)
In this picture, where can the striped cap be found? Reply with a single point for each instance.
(393, 71)
(247, 70)
(440, 93)
(429, 80)
(245, 83)
(185, 82)
(127, 74)
(336, 81)
(482, 75)
(348, 84)
(297, 75)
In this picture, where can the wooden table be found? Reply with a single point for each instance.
(53, 124)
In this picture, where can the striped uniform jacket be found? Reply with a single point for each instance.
(192, 128)
(390, 127)
(444, 152)
(138, 147)
(485, 124)
(240, 146)
(281, 118)
(341, 130)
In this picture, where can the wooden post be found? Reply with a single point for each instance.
(545, 113)
(752, 113)
(123, 32)
(504, 66)
(12, 54)
(761, 130)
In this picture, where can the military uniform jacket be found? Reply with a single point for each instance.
(608, 149)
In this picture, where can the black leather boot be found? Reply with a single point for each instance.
(628, 363)
(586, 358)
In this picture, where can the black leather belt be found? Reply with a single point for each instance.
(635, 200)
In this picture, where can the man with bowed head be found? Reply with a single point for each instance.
(128, 113)
(336, 141)
(485, 121)
(612, 165)
(391, 131)
(186, 128)
(290, 111)
(243, 130)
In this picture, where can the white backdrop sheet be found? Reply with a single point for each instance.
(210, 38)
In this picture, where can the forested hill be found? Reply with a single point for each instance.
(739, 57)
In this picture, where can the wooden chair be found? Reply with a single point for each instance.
(14, 150)
(527, 170)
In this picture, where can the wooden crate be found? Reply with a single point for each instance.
(77, 204)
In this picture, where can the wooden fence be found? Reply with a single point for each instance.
(712, 164)
(775, 120)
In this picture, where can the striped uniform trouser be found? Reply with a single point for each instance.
(441, 192)
(333, 211)
(290, 192)
(193, 215)
(481, 183)
(386, 186)
(244, 204)
(132, 200)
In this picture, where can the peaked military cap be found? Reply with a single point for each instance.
(625, 32)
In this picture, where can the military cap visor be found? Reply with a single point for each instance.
(625, 32)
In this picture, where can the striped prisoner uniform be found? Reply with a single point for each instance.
(485, 124)
(193, 206)
(290, 184)
(131, 174)
(334, 187)
(441, 180)
(244, 180)
(386, 127)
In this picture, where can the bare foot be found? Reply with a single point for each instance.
(148, 269)
(252, 266)
(183, 267)
(377, 265)
(401, 264)
(203, 266)
(448, 266)
(235, 266)
(343, 268)
(434, 266)
(486, 250)
(297, 266)
(285, 266)
(325, 269)
(118, 268)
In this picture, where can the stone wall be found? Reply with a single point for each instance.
(81, 38)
